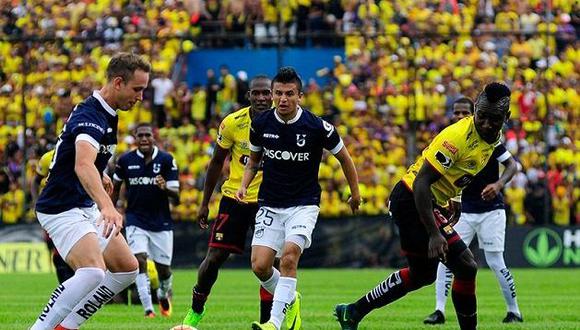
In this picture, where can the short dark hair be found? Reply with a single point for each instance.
(142, 125)
(465, 100)
(258, 77)
(124, 65)
(288, 75)
(494, 96)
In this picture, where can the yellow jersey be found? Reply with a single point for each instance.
(43, 167)
(458, 153)
(234, 134)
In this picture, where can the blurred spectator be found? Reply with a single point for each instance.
(162, 87)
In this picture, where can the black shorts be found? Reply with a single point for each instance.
(414, 236)
(229, 230)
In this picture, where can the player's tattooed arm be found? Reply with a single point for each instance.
(212, 176)
(351, 177)
(250, 171)
(424, 202)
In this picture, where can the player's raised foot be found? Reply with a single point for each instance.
(343, 313)
(264, 326)
(149, 314)
(512, 317)
(165, 306)
(193, 318)
(293, 319)
(437, 317)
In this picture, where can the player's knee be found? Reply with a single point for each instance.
(261, 269)
(421, 279)
(142, 261)
(216, 257)
(468, 270)
(131, 264)
(288, 262)
(163, 271)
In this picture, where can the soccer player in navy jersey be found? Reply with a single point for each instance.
(230, 228)
(74, 207)
(482, 213)
(151, 179)
(288, 141)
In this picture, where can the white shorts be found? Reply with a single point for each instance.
(274, 225)
(158, 245)
(489, 227)
(67, 228)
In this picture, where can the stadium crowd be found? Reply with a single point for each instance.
(404, 64)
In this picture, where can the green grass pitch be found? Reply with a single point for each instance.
(549, 299)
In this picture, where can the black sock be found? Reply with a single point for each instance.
(392, 288)
(465, 302)
(266, 301)
(198, 300)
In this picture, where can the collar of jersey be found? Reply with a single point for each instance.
(104, 103)
(291, 121)
(155, 152)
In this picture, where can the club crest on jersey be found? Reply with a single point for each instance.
(156, 168)
(443, 159)
(300, 140)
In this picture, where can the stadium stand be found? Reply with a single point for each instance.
(404, 64)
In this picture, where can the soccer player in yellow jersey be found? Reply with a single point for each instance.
(228, 231)
(417, 204)
(63, 271)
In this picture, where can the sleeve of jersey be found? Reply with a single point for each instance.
(331, 140)
(225, 137)
(88, 127)
(501, 153)
(120, 174)
(443, 152)
(172, 174)
(255, 138)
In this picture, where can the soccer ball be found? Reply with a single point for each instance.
(183, 327)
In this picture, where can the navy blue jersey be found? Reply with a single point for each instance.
(147, 204)
(471, 201)
(94, 121)
(291, 154)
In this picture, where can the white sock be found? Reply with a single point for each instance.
(505, 279)
(283, 297)
(164, 287)
(67, 295)
(144, 290)
(442, 287)
(270, 284)
(112, 284)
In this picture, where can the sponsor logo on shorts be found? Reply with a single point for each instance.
(259, 232)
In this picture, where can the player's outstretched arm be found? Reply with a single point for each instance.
(424, 203)
(214, 171)
(249, 174)
(491, 190)
(351, 175)
(90, 178)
